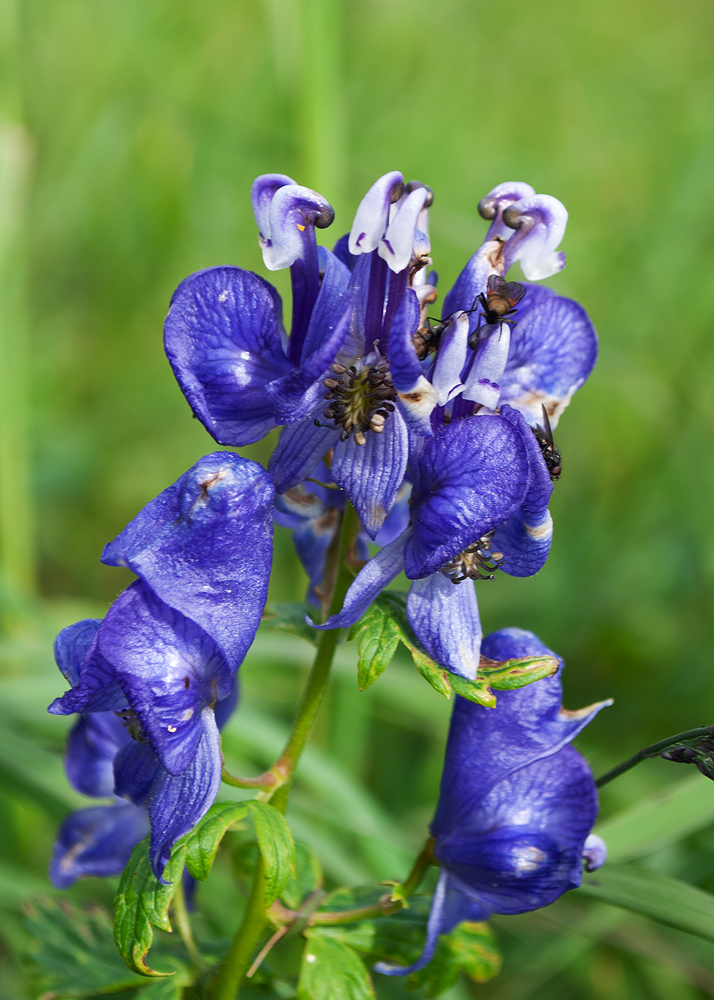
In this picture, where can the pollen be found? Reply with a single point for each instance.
(360, 400)
(477, 562)
(301, 228)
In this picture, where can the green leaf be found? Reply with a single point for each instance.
(331, 970)
(517, 673)
(385, 624)
(469, 948)
(72, 952)
(142, 903)
(203, 842)
(290, 619)
(276, 846)
(659, 820)
(378, 637)
(654, 895)
(307, 878)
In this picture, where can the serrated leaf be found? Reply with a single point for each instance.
(665, 899)
(378, 636)
(517, 673)
(142, 903)
(331, 970)
(203, 842)
(72, 951)
(289, 618)
(307, 878)
(276, 847)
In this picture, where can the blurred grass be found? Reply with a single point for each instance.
(147, 124)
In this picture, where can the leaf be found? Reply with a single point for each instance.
(378, 637)
(142, 903)
(654, 895)
(276, 846)
(385, 624)
(72, 951)
(307, 878)
(517, 673)
(469, 948)
(661, 819)
(331, 970)
(290, 619)
(203, 842)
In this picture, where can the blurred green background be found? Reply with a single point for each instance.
(130, 135)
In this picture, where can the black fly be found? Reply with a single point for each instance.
(551, 455)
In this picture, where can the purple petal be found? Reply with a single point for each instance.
(293, 213)
(472, 282)
(433, 929)
(483, 384)
(369, 583)
(342, 252)
(92, 745)
(372, 216)
(520, 847)
(261, 195)
(331, 301)
(204, 546)
(594, 852)
(404, 366)
(527, 725)
(169, 668)
(451, 358)
(72, 645)
(524, 539)
(445, 619)
(371, 474)
(96, 842)
(553, 350)
(472, 475)
(222, 338)
(300, 448)
(397, 244)
(539, 221)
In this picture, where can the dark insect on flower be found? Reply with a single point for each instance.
(501, 298)
(427, 338)
(551, 455)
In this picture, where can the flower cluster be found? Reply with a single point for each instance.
(439, 434)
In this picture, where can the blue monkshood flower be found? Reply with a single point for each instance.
(517, 803)
(362, 419)
(98, 841)
(311, 512)
(170, 645)
(479, 502)
(224, 334)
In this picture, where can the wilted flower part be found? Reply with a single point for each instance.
(474, 480)
(512, 827)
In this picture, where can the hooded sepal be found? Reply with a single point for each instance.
(96, 842)
(204, 546)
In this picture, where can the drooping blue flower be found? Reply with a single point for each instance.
(170, 645)
(98, 841)
(517, 803)
(479, 502)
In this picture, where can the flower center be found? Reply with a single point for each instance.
(477, 562)
(131, 723)
(359, 400)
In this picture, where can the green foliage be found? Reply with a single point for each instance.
(204, 840)
(331, 970)
(655, 895)
(307, 878)
(72, 952)
(276, 846)
(142, 903)
(384, 625)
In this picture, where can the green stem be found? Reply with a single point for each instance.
(424, 861)
(226, 984)
(183, 925)
(653, 751)
(326, 646)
